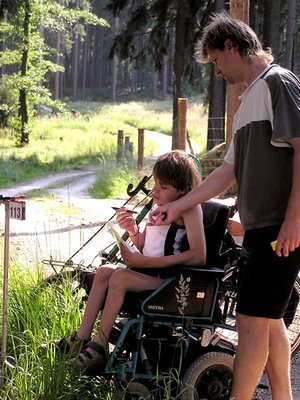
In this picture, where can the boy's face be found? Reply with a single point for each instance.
(164, 193)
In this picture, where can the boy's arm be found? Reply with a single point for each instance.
(193, 221)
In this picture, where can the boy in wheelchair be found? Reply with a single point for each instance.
(158, 249)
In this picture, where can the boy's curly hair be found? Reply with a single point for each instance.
(176, 168)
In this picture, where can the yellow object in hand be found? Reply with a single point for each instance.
(273, 245)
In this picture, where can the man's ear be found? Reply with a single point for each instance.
(229, 44)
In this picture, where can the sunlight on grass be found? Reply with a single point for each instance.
(89, 137)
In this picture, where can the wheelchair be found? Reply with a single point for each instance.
(173, 328)
(181, 337)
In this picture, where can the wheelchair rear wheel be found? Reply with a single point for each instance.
(133, 391)
(209, 377)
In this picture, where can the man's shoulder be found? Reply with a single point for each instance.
(277, 74)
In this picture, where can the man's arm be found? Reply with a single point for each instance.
(289, 235)
(217, 182)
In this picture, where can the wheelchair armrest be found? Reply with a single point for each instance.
(199, 271)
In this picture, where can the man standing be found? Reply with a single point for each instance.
(264, 160)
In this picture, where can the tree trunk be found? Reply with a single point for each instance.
(23, 112)
(75, 54)
(164, 78)
(57, 61)
(84, 64)
(114, 73)
(290, 32)
(75, 65)
(179, 63)
(240, 10)
(272, 26)
(217, 102)
(154, 84)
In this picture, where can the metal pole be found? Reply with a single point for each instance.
(5, 284)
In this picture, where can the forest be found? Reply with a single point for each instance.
(57, 51)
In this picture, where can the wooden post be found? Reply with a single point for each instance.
(130, 153)
(182, 107)
(126, 148)
(141, 137)
(238, 9)
(120, 147)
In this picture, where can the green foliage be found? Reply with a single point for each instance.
(8, 101)
(113, 182)
(38, 313)
(26, 46)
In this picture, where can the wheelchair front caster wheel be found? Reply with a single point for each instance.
(133, 391)
(209, 377)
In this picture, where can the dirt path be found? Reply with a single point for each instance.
(58, 227)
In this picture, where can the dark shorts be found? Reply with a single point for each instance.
(265, 281)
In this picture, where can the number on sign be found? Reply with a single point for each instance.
(17, 210)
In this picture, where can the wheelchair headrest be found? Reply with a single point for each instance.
(215, 218)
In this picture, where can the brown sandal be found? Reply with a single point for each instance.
(86, 361)
(71, 345)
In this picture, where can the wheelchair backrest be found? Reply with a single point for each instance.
(192, 293)
(215, 218)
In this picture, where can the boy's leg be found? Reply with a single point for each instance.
(121, 282)
(95, 301)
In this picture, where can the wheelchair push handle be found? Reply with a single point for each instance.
(141, 186)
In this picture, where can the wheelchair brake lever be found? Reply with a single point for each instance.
(141, 186)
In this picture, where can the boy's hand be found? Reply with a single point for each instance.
(126, 220)
(135, 259)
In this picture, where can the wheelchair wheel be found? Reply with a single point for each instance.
(133, 391)
(291, 316)
(209, 377)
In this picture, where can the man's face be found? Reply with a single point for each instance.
(226, 64)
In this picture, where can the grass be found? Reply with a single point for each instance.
(39, 312)
(89, 136)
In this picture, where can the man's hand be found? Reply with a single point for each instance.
(164, 214)
(288, 238)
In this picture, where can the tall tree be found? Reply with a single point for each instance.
(159, 20)
(23, 112)
(217, 102)
(30, 53)
(290, 33)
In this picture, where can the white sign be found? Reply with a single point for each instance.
(17, 210)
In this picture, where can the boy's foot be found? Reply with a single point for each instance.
(71, 345)
(90, 358)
